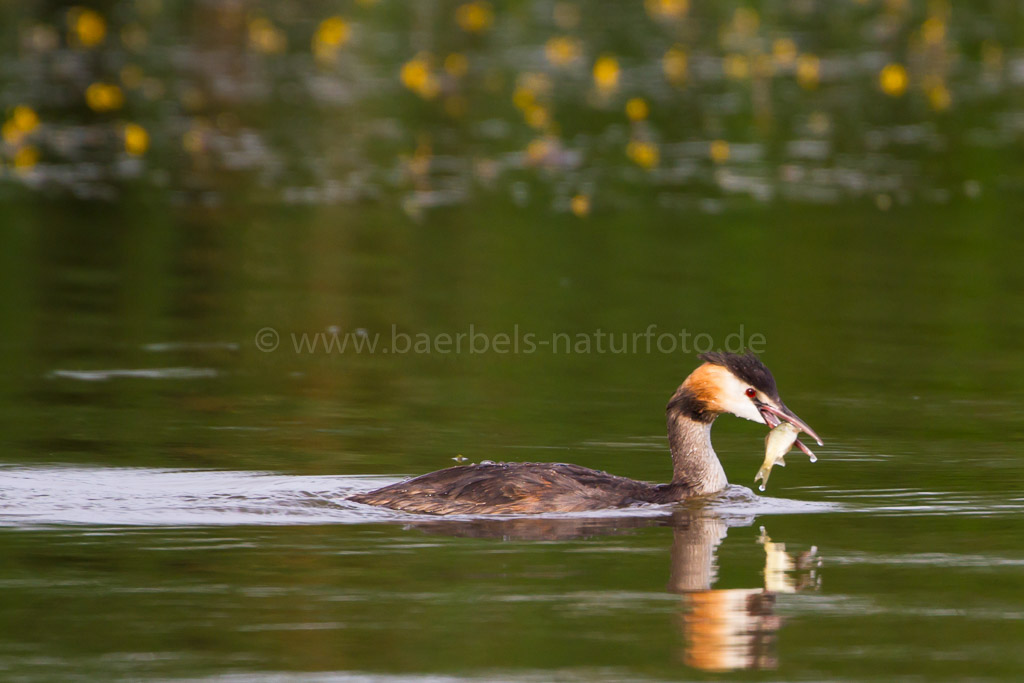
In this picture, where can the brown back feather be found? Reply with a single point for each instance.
(516, 488)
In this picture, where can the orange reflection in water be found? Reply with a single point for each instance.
(720, 629)
(736, 628)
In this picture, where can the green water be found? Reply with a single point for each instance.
(178, 438)
(896, 345)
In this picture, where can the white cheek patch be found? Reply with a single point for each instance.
(732, 398)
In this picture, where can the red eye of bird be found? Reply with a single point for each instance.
(751, 393)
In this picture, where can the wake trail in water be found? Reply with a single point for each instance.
(32, 496)
(72, 495)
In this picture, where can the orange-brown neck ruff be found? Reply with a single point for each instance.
(698, 396)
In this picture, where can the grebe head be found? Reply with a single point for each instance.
(742, 385)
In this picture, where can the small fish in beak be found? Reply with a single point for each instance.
(778, 442)
(774, 416)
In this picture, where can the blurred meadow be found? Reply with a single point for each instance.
(571, 106)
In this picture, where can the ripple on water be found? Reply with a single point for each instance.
(174, 347)
(56, 494)
(136, 373)
(740, 500)
(909, 501)
(143, 496)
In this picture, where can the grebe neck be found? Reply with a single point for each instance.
(694, 462)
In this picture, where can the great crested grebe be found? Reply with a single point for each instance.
(725, 383)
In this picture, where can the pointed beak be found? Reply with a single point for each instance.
(772, 416)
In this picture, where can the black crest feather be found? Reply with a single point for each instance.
(747, 367)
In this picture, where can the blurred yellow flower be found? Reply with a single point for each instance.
(562, 50)
(808, 71)
(666, 9)
(580, 205)
(719, 151)
(456, 64)
(642, 153)
(538, 150)
(333, 31)
(537, 117)
(25, 119)
(330, 35)
(474, 17)
(893, 79)
(736, 66)
(26, 157)
(933, 30)
(101, 97)
(136, 139)
(523, 98)
(637, 109)
(536, 82)
(265, 37)
(530, 88)
(87, 27)
(10, 133)
(675, 65)
(784, 51)
(606, 74)
(939, 97)
(418, 77)
(22, 121)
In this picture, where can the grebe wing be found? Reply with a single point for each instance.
(509, 488)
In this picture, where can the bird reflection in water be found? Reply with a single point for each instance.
(720, 629)
(732, 628)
